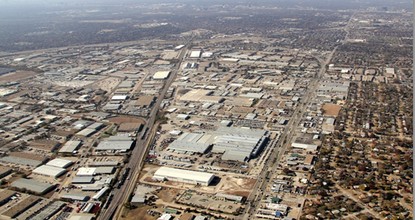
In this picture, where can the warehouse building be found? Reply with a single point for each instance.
(74, 197)
(52, 171)
(61, 163)
(70, 147)
(50, 210)
(161, 75)
(82, 180)
(185, 176)
(239, 144)
(86, 171)
(191, 143)
(115, 143)
(32, 185)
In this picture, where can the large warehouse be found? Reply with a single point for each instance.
(52, 171)
(191, 143)
(185, 176)
(239, 144)
(235, 144)
(115, 143)
(32, 185)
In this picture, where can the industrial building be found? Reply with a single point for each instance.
(115, 143)
(52, 171)
(75, 197)
(185, 176)
(82, 180)
(239, 144)
(86, 171)
(48, 211)
(161, 75)
(58, 162)
(191, 143)
(234, 143)
(195, 54)
(70, 147)
(33, 186)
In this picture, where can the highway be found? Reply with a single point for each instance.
(138, 154)
(280, 147)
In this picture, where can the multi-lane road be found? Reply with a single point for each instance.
(144, 138)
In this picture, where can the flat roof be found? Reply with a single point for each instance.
(32, 185)
(119, 97)
(73, 196)
(86, 171)
(82, 179)
(191, 142)
(59, 162)
(20, 161)
(50, 210)
(161, 75)
(104, 170)
(70, 146)
(183, 174)
(115, 145)
(51, 171)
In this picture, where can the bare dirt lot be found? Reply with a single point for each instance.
(107, 84)
(139, 213)
(232, 185)
(16, 76)
(169, 195)
(331, 109)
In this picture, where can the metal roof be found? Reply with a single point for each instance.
(82, 179)
(21, 161)
(59, 162)
(167, 172)
(86, 171)
(115, 145)
(32, 185)
(73, 196)
(51, 171)
(70, 146)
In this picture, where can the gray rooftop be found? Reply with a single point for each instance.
(32, 185)
(70, 146)
(20, 161)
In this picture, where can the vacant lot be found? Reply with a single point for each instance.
(331, 109)
(16, 76)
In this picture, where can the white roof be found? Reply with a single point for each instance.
(58, 162)
(49, 171)
(119, 97)
(165, 216)
(161, 75)
(183, 174)
(86, 171)
(195, 54)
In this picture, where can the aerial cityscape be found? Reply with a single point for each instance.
(203, 110)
